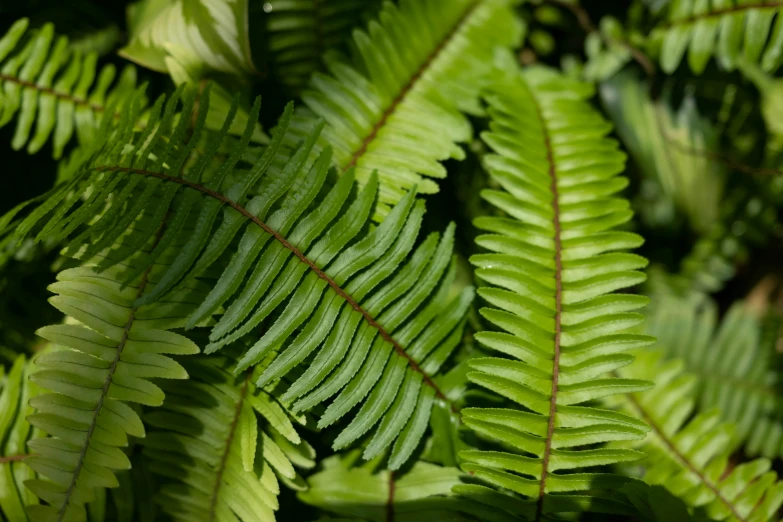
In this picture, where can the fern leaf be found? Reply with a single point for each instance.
(215, 462)
(660, 139)
(359, 305)
(735, 370)
(419, 494)
(553, 261)
(395, 105)
(114, 350)
(690, 455)
(48, 84)
(730, 30)
(15, 433)
(213, 32)
(298, 32)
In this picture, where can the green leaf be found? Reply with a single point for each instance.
(213, 33)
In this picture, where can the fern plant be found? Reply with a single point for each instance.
(262, 312)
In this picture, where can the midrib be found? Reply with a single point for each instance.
(558, 308)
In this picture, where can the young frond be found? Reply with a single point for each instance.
(730, 30)
(364, 492)
(552, 264)
(735, 371)
(216, 461)
(47, 83)
(298, 32)
(395, 106)
(364, 309)
(689, 455)
(15, 433)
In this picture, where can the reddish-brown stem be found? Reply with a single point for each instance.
(48, 90)
(320, 273)
(390, 498)
(405, 90)
(227, 451)
(558, 313)
(12, 458)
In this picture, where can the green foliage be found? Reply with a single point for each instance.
(15, 433)
(689, 455)
(661, 141)
(552, 264)
(735, 370)
(47, 83)
(214, 461)
(363, 492)
(731, 30)
(298, 32)
(212, 32)
(265, 313)
(395, 105)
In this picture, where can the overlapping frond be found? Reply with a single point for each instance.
(690, 455)
(15, 433)
(395, 105)
(364, 492)
(735, 370)
(553, 261)
(298, 32)
(113, 350)
(363, 308)
(48, 85)
(730, 30)
(216, 461)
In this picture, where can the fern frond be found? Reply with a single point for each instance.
(730, 30)
(395, 105)
(46, 82)
(735, 371)
(364, 492)
(689, 455)
(215, 461)
(552, 266)
(298, 32)
(114, 349)
(358, 304)
(660, 139)
(212, 32)
(15, 433)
